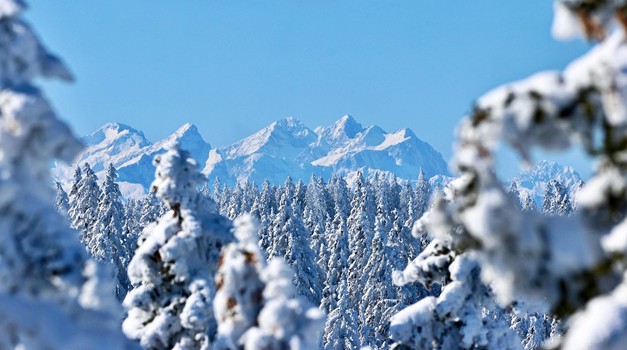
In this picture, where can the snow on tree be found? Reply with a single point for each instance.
(533, 328)
(407, 202)
(109, 242)
(173, 268)
(340, 195)
(239, 288)
(83, 210)
(76, 180)
(514, 193)
(131, 227)
(51, 295)
(464, 316)
(217, 185)
(529, 203)
(575, 263)
(315, 217)
(341, 329)
(151, 208)
(300, 192)
(63, 204)
(225, 197)
(286, 321)
(257, 306)
(360, 238)
(556, 200)
(290, 240)
(401, 248)
(422, 194)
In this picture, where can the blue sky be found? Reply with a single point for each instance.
(233, 66)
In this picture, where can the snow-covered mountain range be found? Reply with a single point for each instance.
(284, 148)
(288, 148)
(533, 181)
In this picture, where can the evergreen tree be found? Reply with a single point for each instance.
(300, 193)
(360, 238)
(340, 195)
(173, 268)
(466, 312)
(286, 321)
(315, 217)
(529, 204)
(573, 265)
(51, 295)
(63, 204)
(422, 194)
(337, 263)
(109, 243)
(239, 288)
(341, 329)
(556, 199)
(76, 180)
(514, 194)
(216, 191)
(150, 208)
(83, 210)
(380, 299)
(291, 242)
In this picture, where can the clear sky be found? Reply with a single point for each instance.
(234, 66)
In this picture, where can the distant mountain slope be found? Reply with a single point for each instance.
(533, 181)
(284, 148)
(131, 153)
(289, 148)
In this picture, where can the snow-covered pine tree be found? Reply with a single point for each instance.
(575, 263)
(287, 320)
(514, 193)
(83, 210)
(239, 288)
(173, 268)
(529, 203)
(63, 203)
(131, 227)
(340, 195)
(464, 316)
(552, 197)
(315, 217)
(407, 202)
(300, 193)
(150, 209)
(380, 299)
(422, 194)
(109, 243)
(76, 180)
(341, 329)
(51, 295)
(233, 208)
(359, 244)
(225, 197)
(216, 195)
(337, 263)
(300, 256)
(402, 247)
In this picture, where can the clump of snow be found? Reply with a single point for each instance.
(286, 321)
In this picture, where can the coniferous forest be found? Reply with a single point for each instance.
(367, 262)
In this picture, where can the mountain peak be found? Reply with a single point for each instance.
(190, 139)
(112, 131)
(186, 129)
(347, 125)
(289, 123)
(407, 133)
